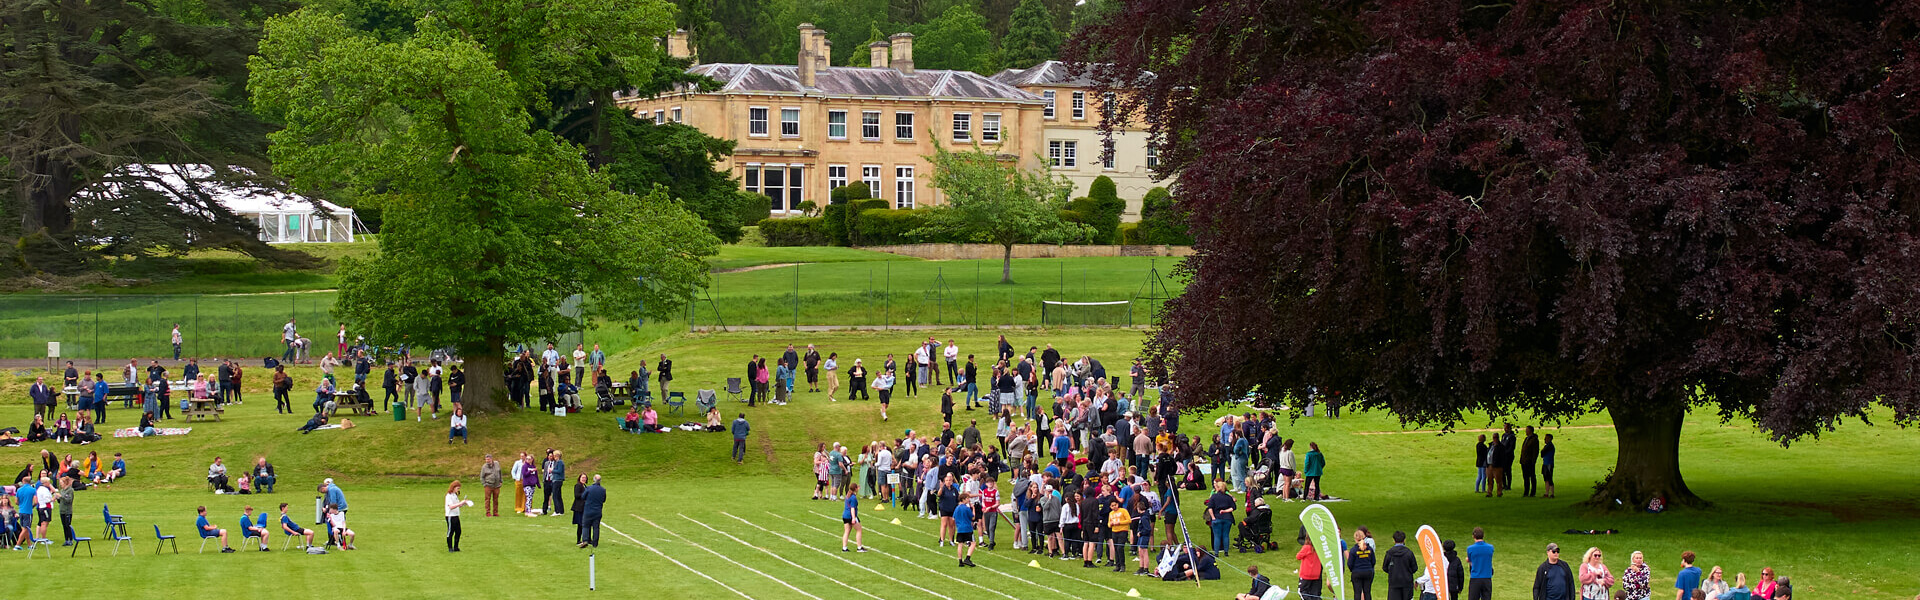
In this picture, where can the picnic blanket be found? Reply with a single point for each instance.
(132, 432)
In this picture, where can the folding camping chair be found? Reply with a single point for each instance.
(733, 389)
(706, 401)
(676, 403)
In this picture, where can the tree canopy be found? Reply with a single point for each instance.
(1637, 208)
(89, 88)
(1031, 36)
(490, 221)
(995, 202)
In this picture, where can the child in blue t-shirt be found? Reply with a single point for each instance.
(207, 530)
(1689, 578)
(963, 530)
(850, 519)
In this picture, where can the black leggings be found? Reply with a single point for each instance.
(453, 533)
(1363, 586)
(280, 400)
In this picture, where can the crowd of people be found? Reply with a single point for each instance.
(1494, 463)
(526, 479)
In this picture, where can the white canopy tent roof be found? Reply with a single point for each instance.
(283, 217)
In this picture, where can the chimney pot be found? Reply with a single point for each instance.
(877, 55)
(808, 60)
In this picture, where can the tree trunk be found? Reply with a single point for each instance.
(1006, 263)
(486, 377)
(1648, 465)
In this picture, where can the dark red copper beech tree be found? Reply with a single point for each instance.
(1641, 207)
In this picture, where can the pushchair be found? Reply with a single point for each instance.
(1256, 531)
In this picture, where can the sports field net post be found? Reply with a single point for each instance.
(1116, 313)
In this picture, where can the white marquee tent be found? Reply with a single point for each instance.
(283, 217)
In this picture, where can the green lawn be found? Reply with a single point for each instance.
(1837, 514)
(736, 256)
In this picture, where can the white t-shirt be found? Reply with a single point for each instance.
(453, 504)
(920, 356)
(953, 351)
(883, 461)
(458, 421)
(286, 333)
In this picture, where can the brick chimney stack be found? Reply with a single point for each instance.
(877, 55)
(678, 44)
(808, 63)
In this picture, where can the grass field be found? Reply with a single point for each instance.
(239, 312)
(1837, 514)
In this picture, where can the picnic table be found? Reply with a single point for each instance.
(351, 400)
(203, 408)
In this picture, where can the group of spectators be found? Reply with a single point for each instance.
(1494, 463)
(558, 378)
(529, 477)
(27, 506)
(1591, 579)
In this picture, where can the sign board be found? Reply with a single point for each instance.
(53, 349)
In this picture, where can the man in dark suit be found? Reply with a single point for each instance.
(589, 510)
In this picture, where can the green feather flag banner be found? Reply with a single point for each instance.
(1324, 533)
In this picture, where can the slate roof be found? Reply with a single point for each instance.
(1051, 73)
(861, 81)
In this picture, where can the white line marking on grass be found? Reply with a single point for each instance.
(989, 569)
(863, 567)
(943, 554)
(780, 558)
(724, 557)
(1062, 574)
(682, 565)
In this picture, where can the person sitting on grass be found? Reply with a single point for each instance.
(713, 420)
(252, 529)
(119, 468)
(319, 418)
(62, 429)
(146, 425)
(1192, 563)
(289, 527)
(84, 433)
(207, 530)
(457, 424)
(632, 422)
(37, 432)
(243, 484)
(649, 420)
(1260, 585)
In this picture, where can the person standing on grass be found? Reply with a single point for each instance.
(952, 354)
(972, 385)
(207, 530)
(100, 390)
(177, 340)
(1529, 460)
(1553, 580)
(490, 485)
(288, 335)
(962, 522)
(1120, 524)
(1480, 465)
(1546, 466)
(740, 431)
(1684, 582)
(1360, 562)
(555, 470)
(832, 367)
(530, 483)
(1480, 565)
(665, 370)
(1220, 516)
(64, 497)
(453, 505)
(456, 381)
(579, 498)
(884, 384)
(812, 362)
(850, 520)
(1400, 567)
(1596, 582)
(592, 504)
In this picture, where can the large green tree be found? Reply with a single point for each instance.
(491, 221)
(957, 40)
(1031, 37)
(681, 158)
(995, 202)
(88, 88)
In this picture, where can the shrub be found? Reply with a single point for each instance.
(1160, 221)
(886, 226)
(1130, 234)
(797, 231)
(1101, 209)
(834, 224)
(855, 235)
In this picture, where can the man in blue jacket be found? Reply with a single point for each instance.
(740, 430)
(589, 511)
(1479, 567)
(334, 495)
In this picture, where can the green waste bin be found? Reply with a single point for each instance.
(399, 411)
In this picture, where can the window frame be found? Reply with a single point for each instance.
(994, 119)
(836, 182)
(842, 113)
(763, 114)
(899, 127)
(962, 127)
(1079, 106)
(1063, 154)
(1053, 100)
(677, 115)
(903, 187)
(784, 112)
(1109, 156)
(875, 125)
(874, 176)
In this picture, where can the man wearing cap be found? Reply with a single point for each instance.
(1553, 580)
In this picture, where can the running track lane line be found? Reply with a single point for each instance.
(1060, 573)
(682, 565)
(775, 556)
(989, 569)
(875, 551)
(724, 557)
(943, 554)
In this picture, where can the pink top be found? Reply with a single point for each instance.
(200, 389)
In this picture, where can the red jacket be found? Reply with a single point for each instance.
(1309, 563)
